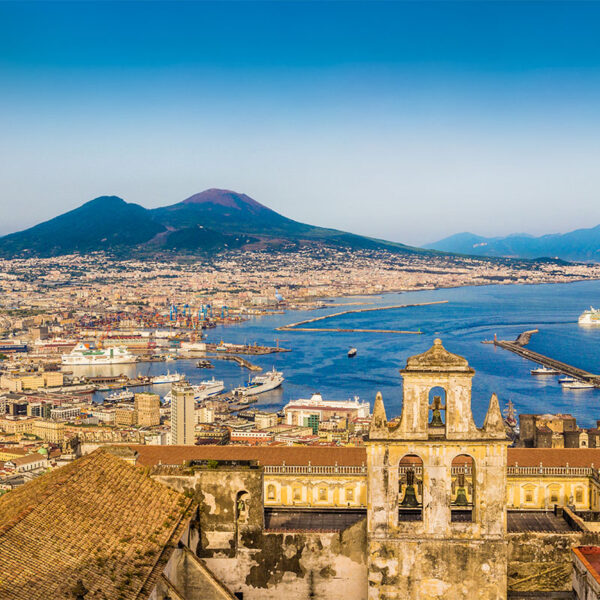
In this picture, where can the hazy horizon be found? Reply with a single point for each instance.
(404, 121)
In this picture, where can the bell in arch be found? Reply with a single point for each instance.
(436, 412)
(461, 495)
(410, 496)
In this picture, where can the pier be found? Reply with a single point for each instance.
(518, 347)
(238, 359)
(299, 326)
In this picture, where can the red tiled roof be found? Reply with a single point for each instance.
(265, 455)
(590, 557)
(344, 456)
(554, 457)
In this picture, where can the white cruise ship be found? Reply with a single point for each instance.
(82, 354)
(261, 383)
(590, 317)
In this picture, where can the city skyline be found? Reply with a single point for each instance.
(376, 119)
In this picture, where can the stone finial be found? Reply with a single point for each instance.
(378, 428)
(493, 425)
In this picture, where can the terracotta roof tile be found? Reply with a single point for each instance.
(265, 455)
(98, 519)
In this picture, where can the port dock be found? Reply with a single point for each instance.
(299, 326)
(518, 347)
(238, 359)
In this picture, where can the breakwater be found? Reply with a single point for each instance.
(518, 347)
(300, 325)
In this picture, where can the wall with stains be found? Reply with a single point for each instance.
(267, 565)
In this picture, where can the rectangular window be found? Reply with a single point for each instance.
(579, 496)
(322, 494)
(349, 495)
(297, 494)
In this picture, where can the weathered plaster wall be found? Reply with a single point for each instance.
(268, 565)
(292, 565)
(435, 570)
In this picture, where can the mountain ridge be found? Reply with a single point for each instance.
(210, 221)
(579, 245)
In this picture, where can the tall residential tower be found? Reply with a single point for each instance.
(183, 419)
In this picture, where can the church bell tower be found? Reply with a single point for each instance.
(436, 510)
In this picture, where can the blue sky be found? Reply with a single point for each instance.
(409, 121)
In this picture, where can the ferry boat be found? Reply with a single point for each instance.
(590, 317)
(352, 352)
(578, 385)
(261, 383)
(122, 396)
(168, 378)
(544, 371)
(82, 354)
(206, 388)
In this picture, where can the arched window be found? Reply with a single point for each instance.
(462, 500)
(437, 407)
(271, 492)
(297, 494)
(578, 495)
(410, 488)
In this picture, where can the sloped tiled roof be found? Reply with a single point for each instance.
(554, 457)
(265, 455)
(98, 519)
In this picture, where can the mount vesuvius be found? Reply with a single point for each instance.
(211, 221)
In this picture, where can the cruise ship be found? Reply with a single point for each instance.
(590, 317)
(261, 383)
(82, 354)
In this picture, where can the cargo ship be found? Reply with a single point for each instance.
(82, 354)
(590, 317)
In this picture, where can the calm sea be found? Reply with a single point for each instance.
(319, 363)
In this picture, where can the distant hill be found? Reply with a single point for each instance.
(207, 222)
(582, 245)
(100, 224)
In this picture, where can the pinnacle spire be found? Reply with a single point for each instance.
(378, 427)
(494, 423)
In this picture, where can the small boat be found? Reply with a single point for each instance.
(169, 358)
(578, 385)
(567, 379)
(204, 364)
(352, 352)
(544, 371)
